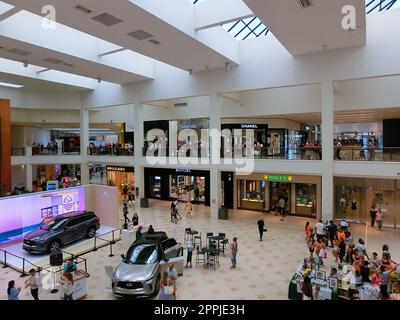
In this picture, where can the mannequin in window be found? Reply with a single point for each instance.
(354, 204)
(343, 203)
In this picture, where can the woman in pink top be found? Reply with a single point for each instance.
(379, 219)
(308, 230)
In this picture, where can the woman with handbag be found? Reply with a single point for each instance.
(167, 288)
(261, 227)
(322, 254)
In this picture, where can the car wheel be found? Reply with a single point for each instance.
(91, 232)
(55, 246)
(157, 286)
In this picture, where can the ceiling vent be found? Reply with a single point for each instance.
(140, 34)
(183, 104)
(19, 52)
(107, 19)
(304, 4)
(68, 64)
(52, 60)
(83, 9)
(154, 41)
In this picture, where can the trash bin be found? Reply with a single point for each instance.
(144, 203)
(223, 214)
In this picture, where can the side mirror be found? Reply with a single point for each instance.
(123, 256)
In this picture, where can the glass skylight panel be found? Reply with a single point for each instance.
(381, 5)
(4, 7)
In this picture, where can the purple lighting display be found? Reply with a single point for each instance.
(21, 213)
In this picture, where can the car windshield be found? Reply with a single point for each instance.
(142, 254)
(52, 224)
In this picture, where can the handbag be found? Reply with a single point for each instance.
(322, 254)
(265, 229)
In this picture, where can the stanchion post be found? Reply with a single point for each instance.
(95, 244)
(23, 268)
(5, 259)
(111, 252)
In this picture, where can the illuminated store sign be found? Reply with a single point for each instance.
(120, 169)
(183, 170)
(249, 126)
(278, 178)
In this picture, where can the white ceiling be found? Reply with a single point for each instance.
(314, 29)
(176, 47)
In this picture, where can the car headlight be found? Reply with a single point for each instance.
(38, 239)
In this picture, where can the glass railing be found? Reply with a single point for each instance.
(110, 151)
(18, 152)
(44, 151)
(367, 154)
(297, 153)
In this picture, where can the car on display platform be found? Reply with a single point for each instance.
(139, 272)
(55, 232)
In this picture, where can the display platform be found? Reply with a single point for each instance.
(17, 253)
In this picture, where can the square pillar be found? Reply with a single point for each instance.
(84, 139)
(28, 177)
(5, 146)
(327, 128)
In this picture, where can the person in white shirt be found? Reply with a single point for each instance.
(33, 283)
(319, 229)
(172, 273)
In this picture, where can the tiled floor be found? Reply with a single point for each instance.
(264, 268)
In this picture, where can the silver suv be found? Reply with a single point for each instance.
(139, 272)
(59, 230)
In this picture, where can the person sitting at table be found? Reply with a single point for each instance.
(334, 273)
(70, 266)
(374, 262)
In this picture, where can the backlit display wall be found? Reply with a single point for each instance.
(23, 213)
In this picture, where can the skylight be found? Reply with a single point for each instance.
(380, 5)
(4, 7)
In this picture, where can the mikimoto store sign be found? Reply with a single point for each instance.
(120, 169)
(278, 178)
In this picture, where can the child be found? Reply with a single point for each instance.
(189, 247)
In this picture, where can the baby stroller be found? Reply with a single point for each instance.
(175, 216)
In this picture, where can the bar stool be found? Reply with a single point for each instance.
(187, 236)
(197, 241)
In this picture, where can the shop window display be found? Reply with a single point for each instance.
(280, 190)
(306, 199)
(187, 188)
(348, 203)
(252, 194)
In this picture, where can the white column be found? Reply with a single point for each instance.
(84, 137)
(215, 172)
(138, 147)
(327, 126)
(293, 198)
(28, 177)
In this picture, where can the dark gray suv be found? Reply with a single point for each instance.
(57, 231)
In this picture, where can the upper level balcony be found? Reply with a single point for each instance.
(370, 153)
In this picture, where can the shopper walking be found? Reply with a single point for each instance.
(282, 205)
(319, 229)
(172, 273)
(13, 292)
(372, 213)
(379, 219)
(322, 254)
(341, 250)
(234, 251)
(335, 251)
(261, 227)
(189, 248)
(332, 232)
(125, 212)
(307, 230)
(188, 209)
(67, 282)
(33, 283)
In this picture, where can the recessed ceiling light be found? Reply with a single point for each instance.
(11, 85)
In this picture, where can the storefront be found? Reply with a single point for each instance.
(118, 176)
(260, 192)
(355, 196)
(182, 184)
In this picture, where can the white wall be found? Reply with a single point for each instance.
(117, 114)
(17, 136)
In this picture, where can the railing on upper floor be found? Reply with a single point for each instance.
(110, 151)
(358, 153)
(17, 152)
(295, 153)
(52, 151)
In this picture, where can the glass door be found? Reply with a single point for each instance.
(386, 202)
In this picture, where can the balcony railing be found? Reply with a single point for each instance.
(110, 151)
(368, 154)
(38, 151)
(17, 152)
(298, 153)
